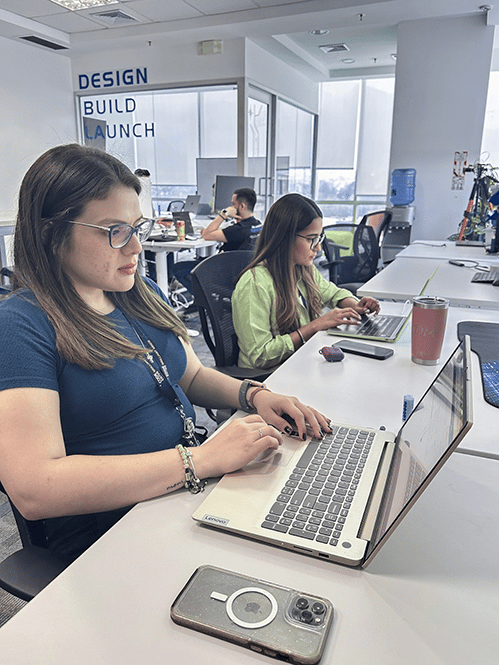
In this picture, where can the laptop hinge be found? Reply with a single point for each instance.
(377, 491)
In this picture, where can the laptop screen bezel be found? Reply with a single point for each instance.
(376, 544)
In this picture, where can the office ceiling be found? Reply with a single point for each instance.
(367, 29)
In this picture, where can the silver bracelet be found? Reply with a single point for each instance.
(301, 337)
(192, 482)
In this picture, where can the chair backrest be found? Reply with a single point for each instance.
(213, 281)
(31, 533)
(366, 251)
(176, 205)
(378, 221)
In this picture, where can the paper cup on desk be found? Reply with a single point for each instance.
(429, 317)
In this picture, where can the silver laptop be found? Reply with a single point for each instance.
(382, 327)
(340, 497)
(192, 203)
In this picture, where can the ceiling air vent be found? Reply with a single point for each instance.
(334, 48)
(43, 42)
(115, 17)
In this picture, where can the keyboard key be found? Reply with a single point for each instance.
(302, 533)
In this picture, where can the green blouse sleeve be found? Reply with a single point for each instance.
(330, 293)
(254, 321)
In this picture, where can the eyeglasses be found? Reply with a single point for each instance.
(314, 242)
(121, 234)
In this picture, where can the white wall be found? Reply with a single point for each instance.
(272, 74)
(180, 63)
(440, 95)
(167, 63)
(36, 111)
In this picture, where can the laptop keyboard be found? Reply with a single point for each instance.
(490, 375)
(380, 326)
(315, 500)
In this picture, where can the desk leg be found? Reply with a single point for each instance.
(162, 271)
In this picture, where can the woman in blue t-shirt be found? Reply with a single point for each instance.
(98, 375)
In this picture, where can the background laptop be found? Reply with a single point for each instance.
(192, 203)
(380, 328)
(344, 508)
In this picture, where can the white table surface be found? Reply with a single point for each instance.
(367, 392)
(431, 597)
(162, 248)
(445, 249)
(405, 278)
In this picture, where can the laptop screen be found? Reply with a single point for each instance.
(432, 431)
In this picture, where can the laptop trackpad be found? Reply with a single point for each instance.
(271, 459)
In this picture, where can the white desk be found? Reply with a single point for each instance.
(445, 249)
(161, 249)
(362, 391)
(431, 597)
(405, 278)
(428, 598)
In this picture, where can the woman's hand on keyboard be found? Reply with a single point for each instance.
(367, 305)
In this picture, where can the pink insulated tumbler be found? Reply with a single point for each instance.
(429, 316)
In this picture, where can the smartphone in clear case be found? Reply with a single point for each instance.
(267, 618)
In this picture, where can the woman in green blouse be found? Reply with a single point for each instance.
(279, 299)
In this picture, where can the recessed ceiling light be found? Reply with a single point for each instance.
(394, 56)
(348, 61)
(319, 32)
(74, 5)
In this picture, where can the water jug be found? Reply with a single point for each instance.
(402, 187)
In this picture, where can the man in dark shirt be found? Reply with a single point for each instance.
(238, 234)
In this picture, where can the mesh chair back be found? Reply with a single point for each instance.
(366, 251)
(378, 221)
(213, 281)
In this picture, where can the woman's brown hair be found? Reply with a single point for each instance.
(287, 217)
(55, 190)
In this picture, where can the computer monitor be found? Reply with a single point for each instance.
(226, 185)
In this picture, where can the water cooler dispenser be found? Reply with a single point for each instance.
(398, 236)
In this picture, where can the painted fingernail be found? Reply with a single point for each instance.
(304, 437)
(288, 429)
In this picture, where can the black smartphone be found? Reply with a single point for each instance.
(362, 349)
(267, 618)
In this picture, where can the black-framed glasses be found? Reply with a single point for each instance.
(121, 234)
(314, 242)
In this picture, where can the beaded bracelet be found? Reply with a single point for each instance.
(192, 482)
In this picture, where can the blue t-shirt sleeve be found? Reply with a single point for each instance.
(30, 358)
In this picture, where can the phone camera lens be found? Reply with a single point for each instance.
(307, 616)
(302, 603)
(318, 608)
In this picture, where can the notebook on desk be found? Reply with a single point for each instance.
(340, 497)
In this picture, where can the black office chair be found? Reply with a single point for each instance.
(351, 272)
(177, 205)
(213, 281)
(379, 222)
(27, 571)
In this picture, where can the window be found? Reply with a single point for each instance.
(294, 149)
(490, 137)
(355, 124)
(165, 132)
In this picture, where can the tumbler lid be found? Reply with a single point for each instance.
(430, 302)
